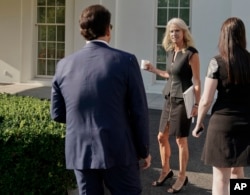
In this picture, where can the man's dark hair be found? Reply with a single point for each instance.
(94, 21)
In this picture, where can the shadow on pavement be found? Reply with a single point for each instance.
(40, 92)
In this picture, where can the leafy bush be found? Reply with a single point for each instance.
(31, 148)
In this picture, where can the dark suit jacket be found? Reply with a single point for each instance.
(99, 93)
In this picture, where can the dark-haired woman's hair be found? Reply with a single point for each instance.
(232, 48)
(94, 21)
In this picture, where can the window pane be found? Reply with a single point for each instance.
(41, 2)
(51, 2)
(51, 50)
(162, 17)
(162, 3)
(51, 67)
(173, 13)
(60, 2)
(51, 17)
(60, 33)
(41, 50)
(51, 33)
(173, 3)
(60, 50)
(160, 34)
(41, 67)
(41, 15)
(41, 33)
(184, 3)
(161, 67)
(60, 15)
(184, 14)
(161, 54)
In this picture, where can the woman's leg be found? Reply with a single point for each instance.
(182, 143)
(183, 160)
(221, 178)
(165, 152)
(164, 146)
(237, 173)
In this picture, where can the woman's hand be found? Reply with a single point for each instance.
(194, 111)
(150, 67)
(197, 131)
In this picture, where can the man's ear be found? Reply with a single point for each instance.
(108, 31)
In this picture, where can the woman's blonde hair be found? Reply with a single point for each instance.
(187, 37)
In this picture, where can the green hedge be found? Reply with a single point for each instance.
(31, 148)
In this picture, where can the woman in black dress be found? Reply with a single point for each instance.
(227, 145)
(182, 71)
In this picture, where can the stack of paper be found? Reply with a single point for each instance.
(188, 96)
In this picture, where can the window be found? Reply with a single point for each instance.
(166, 10)
(50, 35)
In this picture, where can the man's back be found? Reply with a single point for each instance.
(102, 91)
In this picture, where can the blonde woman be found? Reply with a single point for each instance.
(182, 71)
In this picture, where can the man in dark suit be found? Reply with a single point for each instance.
(99, 93)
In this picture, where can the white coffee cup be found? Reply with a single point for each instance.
(143, 63)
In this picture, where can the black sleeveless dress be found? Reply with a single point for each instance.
(180, 79)
(227, 141)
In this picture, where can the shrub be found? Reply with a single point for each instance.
(31, 148)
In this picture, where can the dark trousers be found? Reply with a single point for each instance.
(119, 180)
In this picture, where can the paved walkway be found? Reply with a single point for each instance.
(199, 175)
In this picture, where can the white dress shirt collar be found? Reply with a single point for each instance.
(97, 40)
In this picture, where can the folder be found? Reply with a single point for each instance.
(189, 98)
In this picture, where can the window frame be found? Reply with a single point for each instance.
(57, 53)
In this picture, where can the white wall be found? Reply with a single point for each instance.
(10, 36)
(207, 17)
(206, 23)
(134, 31)
(70, 29)
(28, 50)
(240, 8)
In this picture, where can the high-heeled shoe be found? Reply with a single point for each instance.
(173, 190)
(160, 183)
